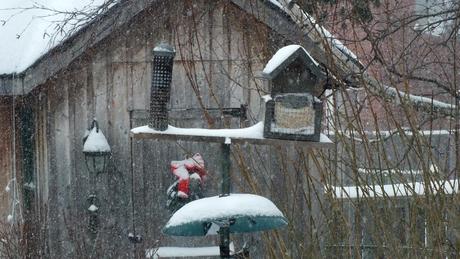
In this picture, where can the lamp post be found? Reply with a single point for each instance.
(97, 154)
(93, 209)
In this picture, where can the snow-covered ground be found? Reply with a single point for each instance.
(28, 30)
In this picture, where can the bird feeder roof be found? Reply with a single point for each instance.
(164, 49)
(243, 212)
(287, 55)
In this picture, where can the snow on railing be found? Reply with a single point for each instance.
(173, 251)
(393, 190)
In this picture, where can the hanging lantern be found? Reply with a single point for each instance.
(96, 149)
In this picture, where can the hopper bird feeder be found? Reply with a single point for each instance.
(293, 111)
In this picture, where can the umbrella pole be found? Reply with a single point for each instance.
(224, 246)
(224, 231)
(225, 170)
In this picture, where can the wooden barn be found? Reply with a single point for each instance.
(104, 72)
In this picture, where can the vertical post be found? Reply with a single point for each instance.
(224, 245)
(226, 168)
(163, 57)
(93, 222)
(224, 231)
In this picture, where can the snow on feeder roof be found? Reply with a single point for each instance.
(283, 57)
(293, 70)
(96, 142)
(165, 49)
(243, 212)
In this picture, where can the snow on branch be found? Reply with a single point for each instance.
(399, 97)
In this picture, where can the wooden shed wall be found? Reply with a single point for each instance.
(6, 157)
(219, 50)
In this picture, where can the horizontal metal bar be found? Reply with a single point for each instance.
(213, 139)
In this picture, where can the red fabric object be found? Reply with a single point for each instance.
(184, 168)
(184, 188)
(196, 165)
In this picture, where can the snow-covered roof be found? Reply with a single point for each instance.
(335, 43)
(394, 190)
(394, 171)
(28, 29)
(18, 54)
(276, 3)
(282, 56)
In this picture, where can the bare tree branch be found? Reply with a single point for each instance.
(346, 64)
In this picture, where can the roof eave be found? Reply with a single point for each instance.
(73, 47)
(70, 49)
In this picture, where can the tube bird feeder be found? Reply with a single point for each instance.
(160, 91)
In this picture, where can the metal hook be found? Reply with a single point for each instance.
(95, 124)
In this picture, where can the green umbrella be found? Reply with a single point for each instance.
(240, 212)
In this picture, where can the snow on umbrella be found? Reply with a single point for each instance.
(242, 213)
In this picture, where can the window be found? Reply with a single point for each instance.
(391, 217)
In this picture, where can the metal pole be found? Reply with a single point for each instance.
(224, 231)
(224, 246)
(226, 185)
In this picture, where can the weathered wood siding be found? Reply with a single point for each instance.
(6, 157)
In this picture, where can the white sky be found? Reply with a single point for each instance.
(16, 54)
